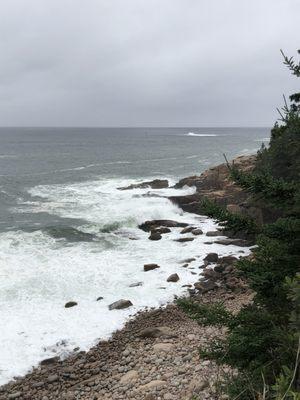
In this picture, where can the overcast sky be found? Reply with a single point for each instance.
(145, 62)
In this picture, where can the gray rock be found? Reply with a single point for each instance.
(52, 378)
(15, 395)
(120, 304)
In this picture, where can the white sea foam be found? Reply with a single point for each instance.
(39, 274)
(201, 134)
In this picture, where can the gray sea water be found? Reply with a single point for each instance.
(47, 156)
(67, 232)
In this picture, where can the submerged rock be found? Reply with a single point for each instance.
(120, 304)
(136, 284)
(188, 229)
(182, 240)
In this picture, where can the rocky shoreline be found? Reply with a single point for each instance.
(155, 356)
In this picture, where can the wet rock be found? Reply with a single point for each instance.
(235, 242)
(150, 267)
(155, 184)
(188, 229)
(213, 233)
(100, 298)
(70, 304)
(183, 240)
(49, 361)
(120, 304)
(156, 223)
(197, 232)
(162, 230)
(211, 258)
(188, 260)
(173, 278)
(155, 235)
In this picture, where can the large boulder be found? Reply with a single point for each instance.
(120, 304)
(155, 184)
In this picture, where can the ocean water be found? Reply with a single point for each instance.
(67, 232)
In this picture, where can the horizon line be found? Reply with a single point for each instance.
(131, 126)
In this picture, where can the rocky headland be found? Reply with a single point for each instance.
(155, 356)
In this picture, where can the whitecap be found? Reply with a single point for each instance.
(200, 134)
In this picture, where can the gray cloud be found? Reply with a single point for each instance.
(145, 62)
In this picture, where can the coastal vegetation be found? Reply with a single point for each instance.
(263, 341)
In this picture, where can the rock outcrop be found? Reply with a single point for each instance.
(155, 184)
(158, 223)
